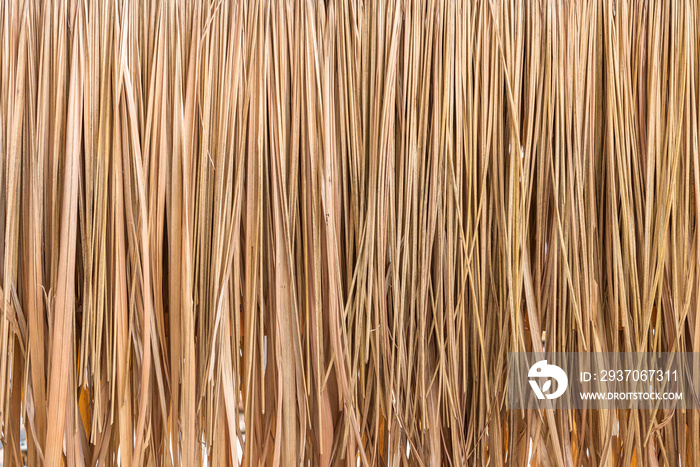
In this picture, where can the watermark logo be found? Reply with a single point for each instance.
(603, 380)
(540, 377)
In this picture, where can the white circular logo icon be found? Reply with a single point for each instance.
(543, 375)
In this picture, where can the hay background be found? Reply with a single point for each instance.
(333, 220)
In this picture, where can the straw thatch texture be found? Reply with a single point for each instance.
(316, 228)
